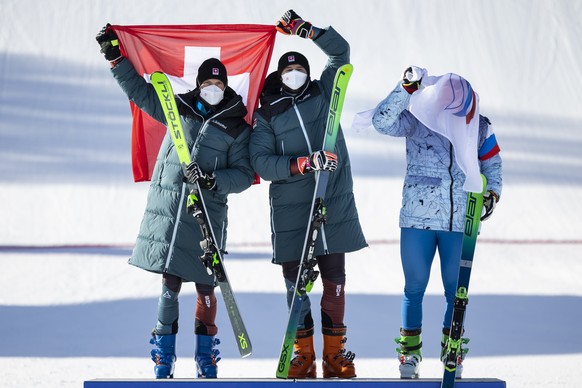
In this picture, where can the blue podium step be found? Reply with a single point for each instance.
(273, 383)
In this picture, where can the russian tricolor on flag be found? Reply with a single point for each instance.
(490, 148)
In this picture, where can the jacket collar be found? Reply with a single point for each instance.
(231, 107)
(275, 100)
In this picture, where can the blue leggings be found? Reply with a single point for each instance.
(417, 250)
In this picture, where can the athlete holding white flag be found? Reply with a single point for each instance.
(448, 145)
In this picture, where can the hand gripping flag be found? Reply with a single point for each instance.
(178, 51)
(448, 105)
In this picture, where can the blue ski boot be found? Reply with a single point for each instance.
(206, 356)
(164, 355)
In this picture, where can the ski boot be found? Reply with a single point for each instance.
(206, 356)
(337, 362)
(164, 355)
(460, 354)
(409, 353)
(303, 364)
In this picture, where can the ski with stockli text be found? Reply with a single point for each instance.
(452, 349)
(212, 256)
(307, 273)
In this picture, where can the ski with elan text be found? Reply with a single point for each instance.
(452, 348)
(307, 273)
(212, 256)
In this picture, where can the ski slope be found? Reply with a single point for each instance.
(72, 308)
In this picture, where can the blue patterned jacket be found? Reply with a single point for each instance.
(433, 195)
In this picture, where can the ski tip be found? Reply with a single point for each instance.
(348, 68)
(247, 350)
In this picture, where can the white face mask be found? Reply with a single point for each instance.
(212, 94)
(294, 79)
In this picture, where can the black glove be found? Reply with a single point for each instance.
(323, 160)
(107, 39)
(317, 161)
(195, 174)
(490, 199)
(292, 24)
(412, 78)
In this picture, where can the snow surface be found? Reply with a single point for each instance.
(78, 313)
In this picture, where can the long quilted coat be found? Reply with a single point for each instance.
(169, 238)
(286, 127)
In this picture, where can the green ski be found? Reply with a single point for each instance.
(212, 257)
(307, 273)
(452, 349)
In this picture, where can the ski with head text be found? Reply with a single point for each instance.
(212, 256)
(307, 273)
(452, 347)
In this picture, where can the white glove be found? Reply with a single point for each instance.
(412, 78)
(414, 74)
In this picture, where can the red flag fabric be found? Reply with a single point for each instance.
(178, 51)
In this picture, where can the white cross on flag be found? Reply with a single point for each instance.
(178, 51)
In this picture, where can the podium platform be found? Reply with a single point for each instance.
(273, 383)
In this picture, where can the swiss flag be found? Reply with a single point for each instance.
(178, 51)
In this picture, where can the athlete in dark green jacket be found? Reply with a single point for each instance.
(286, 147)
(212, 117)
